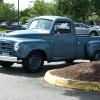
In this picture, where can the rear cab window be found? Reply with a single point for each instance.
(63, 27)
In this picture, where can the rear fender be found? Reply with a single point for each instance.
(92, 47)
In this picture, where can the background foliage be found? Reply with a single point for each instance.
(78, 10)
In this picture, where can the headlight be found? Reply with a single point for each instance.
(16, 47)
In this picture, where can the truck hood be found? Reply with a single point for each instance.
(25, 33)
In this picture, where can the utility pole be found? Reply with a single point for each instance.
(18, 15)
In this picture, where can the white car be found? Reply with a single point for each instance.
(3, 24)
(83, 29)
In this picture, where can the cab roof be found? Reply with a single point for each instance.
(51, 17)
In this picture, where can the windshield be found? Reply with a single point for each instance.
(41, 24)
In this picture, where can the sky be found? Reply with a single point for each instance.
(22, 3)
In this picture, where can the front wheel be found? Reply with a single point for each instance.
(69, 61)
(33, 63)
(6, 64)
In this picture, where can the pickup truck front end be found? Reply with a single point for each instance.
(7, 52)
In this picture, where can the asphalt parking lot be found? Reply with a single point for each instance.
(15, 84)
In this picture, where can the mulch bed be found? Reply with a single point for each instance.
(83, 72)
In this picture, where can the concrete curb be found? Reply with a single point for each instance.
(69, 83)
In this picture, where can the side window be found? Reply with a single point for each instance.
(63, 27)
(82, 26)
(76, 25)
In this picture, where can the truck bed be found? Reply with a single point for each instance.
(82, 42)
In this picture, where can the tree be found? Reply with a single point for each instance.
(51, 9)
(25, 13)
(96, 6)
(75, 9)
(24, 19)
(81, 9)
(41, 7)
(7, 12)
(64, 6)
(1, 1)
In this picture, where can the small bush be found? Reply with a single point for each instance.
(2, 30)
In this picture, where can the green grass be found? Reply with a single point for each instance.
(2, 30)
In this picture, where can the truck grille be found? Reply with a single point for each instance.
(6, 48)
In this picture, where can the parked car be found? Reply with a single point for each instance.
(97, 27)
(86, 30)
(25, 26)
(16, 23)
(48, 38)
(3, 24)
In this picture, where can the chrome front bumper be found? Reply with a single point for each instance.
(10, 59)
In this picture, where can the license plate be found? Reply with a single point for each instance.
(5, 54)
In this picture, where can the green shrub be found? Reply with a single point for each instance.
(2, 30)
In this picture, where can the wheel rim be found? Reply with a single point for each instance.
(97, 56)
(35, 62)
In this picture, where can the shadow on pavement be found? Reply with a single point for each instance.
(17, 70)
(83, 95)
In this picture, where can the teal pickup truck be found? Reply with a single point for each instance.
(48, 38)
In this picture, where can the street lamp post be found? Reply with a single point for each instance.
(18, 15)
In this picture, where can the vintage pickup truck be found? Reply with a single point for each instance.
(48, 38)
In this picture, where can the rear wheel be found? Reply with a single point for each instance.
(6, 64)
(33, 63)
(97, 56)
(93, 33)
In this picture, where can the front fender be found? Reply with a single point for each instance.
(29, 46)
(92, 47)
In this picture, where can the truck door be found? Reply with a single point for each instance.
(64, 40)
